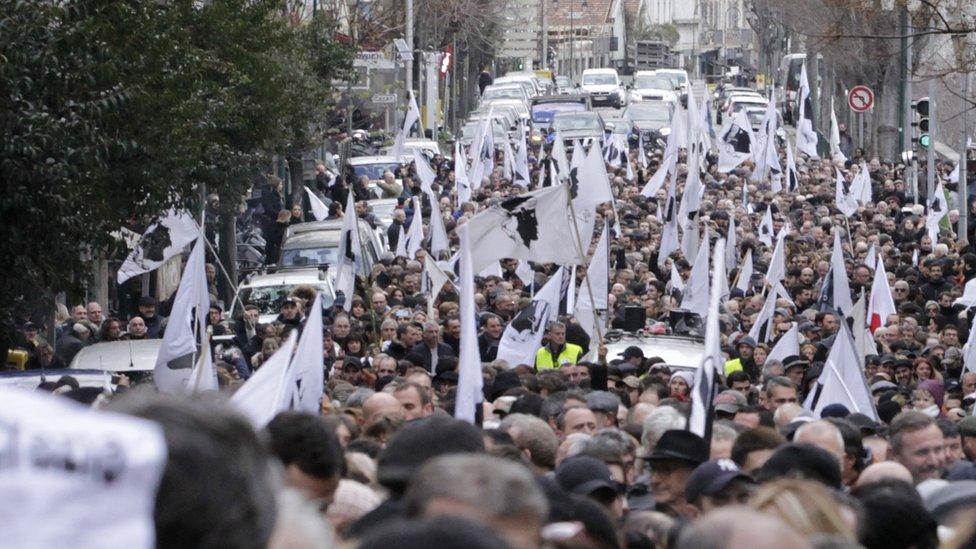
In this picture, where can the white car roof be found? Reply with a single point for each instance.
(288, 277)
(361, 160)
(600, 71)
(746, 98)
(118, 356)
(677, 351)
(30, 379)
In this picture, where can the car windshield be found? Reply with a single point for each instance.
(375, 171)
(678, 77)
(543, 112)
(585, 121)
(652, 83)
(510, 92)
(620, 127)
(268, 299)
(564, 82)
(739, 105)
(309, 257)
(599, 80)
(755, 115)
(649, 112)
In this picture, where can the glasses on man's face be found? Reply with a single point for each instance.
(901, 290)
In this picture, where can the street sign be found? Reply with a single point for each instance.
(403, 50)
(384, 98)
(860, 98)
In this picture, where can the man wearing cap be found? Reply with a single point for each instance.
(147, 311)
(674, 458)
(794, 367)
(967, 433)
(290, 313)
(744, 362)
(590, 477)
(718, 483)
(634, 356)
(903, 372)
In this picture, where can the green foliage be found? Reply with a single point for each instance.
(114, 110)
(666, 33)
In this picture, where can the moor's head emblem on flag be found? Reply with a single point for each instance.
(737, 139)
(529, 321)
(522, 224)
(154, 243)
(574, 183)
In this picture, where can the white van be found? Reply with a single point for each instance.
(604, 87)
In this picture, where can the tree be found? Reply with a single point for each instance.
(117, 110)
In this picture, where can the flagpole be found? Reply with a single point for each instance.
(850, 237)
(579, 243)
(233, 286)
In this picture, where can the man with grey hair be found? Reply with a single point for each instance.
(616, 449)
(662, 419)
(779, 391)
(430, 348)
(499, 493)
(740, 528)
(535, 439)
(723, 438)
(604, 406)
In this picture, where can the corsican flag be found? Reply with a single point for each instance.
(470, 381)
(703, 392)
(270, 390)
(523, 335)
(349, 249)
(806, 135)
(165, 237)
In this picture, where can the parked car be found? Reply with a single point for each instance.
(578, 125)
(134, 358)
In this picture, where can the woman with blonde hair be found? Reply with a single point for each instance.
(808, 507)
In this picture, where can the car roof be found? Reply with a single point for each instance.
(592, 114)
(600, 71)
(118, 356)
(30, 379)
(677, 351)
(384, 159)
(758, 99)
(285, 277)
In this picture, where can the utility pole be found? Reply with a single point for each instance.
(408, 37)
(544, 17)
(963, 231)
(930, 161)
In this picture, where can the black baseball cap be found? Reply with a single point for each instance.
(586, 475)
(712, 477)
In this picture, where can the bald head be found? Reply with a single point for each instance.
(883, 471)
(824, 435)
(381, 405)
(786, 413)
(740, 528)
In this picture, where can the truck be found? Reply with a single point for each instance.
(648, 55)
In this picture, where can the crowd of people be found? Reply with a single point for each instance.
(573, 449)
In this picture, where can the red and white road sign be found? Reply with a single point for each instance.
(860, 98)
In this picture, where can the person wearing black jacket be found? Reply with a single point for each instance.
(393, 232)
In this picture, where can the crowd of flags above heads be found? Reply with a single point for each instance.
(533, 227)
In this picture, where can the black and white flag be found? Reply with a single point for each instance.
(806, 135)
(703, 392)
(523, 335)
(533, 226)
(736, 143)
(165, 237)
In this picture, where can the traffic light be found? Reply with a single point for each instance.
(922, 110)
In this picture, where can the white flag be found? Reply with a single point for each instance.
(744, 281)
(669, 230)
(401, 247)
(871, 257)
(412, 116)
(525, 273)
(736, 143)
(559, 155)
(938, 208)
(598, 280)
(523, 335)
(766, 228)
(319, 210)
(165, 237)
(788, 345)
(461, 174)
(660, 176)
(881, 305)
(508, 160)
(712, 361)
(861, 185)
(203, 377)
(691, 196)
(349, 250)
(842, 380)
(844, 198)
(968, 298)
(535, 226)
(521, 175)
(415, 232)
(186, 328)
(762, 329)
(835, 153)
(806, 136)
(765, 150)
(841, 296)
(434, 278)
(792, 176)
(439, 242)
(675, 281)
(969, 350)
(309, 374)
(777, 263)
(731, 253)
(695, 298)
(270, 390)
(470, 381)
(74, 476)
